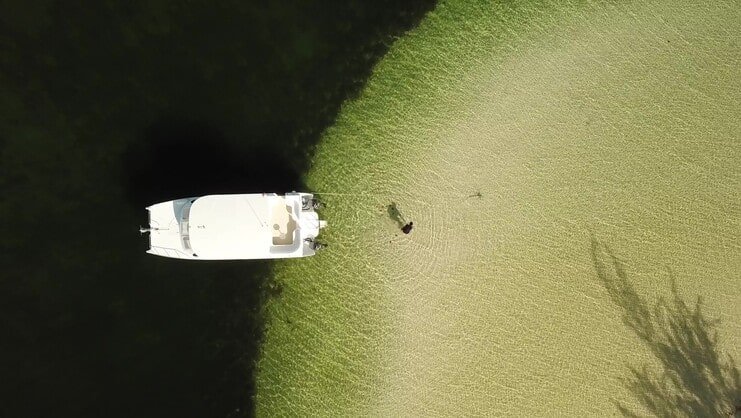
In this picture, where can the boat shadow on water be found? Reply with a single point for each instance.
(179, 158)
(694, 377)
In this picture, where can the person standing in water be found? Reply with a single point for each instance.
(407, 228)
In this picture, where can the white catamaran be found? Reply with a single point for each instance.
(235, 227)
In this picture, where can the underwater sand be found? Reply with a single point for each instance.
(574, 121)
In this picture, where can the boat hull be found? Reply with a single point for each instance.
(234, 227)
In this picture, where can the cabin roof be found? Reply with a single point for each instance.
(230, 226)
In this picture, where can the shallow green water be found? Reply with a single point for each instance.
(577, 123)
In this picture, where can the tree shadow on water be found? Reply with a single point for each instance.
(695, 378)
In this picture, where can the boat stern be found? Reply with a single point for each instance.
(309, 224)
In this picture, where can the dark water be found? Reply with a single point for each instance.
(106, 107)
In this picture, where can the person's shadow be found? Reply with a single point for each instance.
(395, 215)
